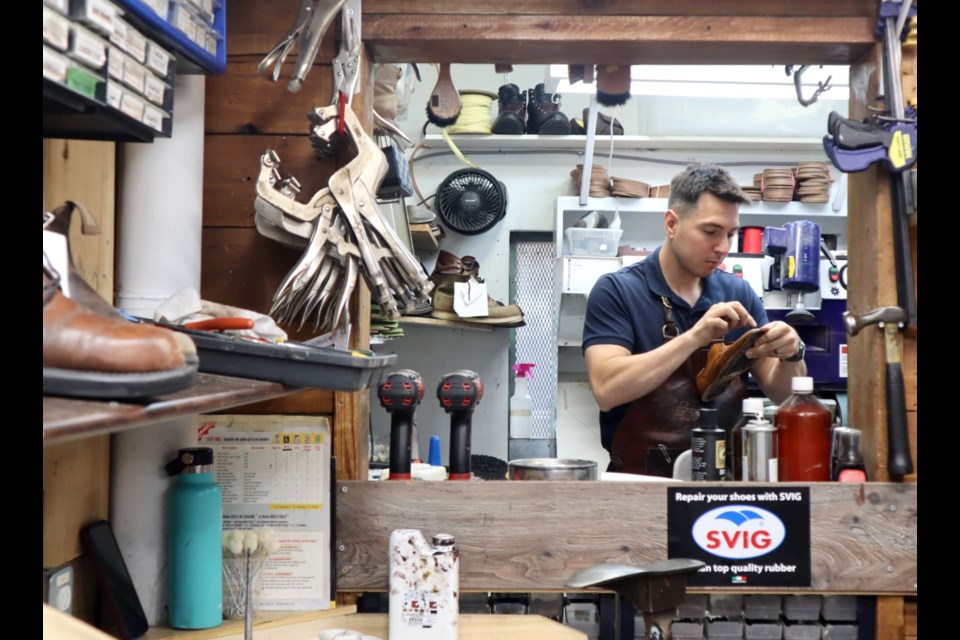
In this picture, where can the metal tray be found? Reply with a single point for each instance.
(291, 363)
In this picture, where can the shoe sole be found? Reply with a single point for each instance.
(558, 127)
(107, 385)
(508, 128)
(509, 321)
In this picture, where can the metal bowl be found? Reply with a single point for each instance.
(551, 469)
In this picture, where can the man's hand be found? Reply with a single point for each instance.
(721, 318)
(779, 340)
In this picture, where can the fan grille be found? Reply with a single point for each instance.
(470, 201)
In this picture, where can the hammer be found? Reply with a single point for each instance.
(891, 320)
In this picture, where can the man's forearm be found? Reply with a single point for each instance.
(621, 379)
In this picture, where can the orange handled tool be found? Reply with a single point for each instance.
(220, 324)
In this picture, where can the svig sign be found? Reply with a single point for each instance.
(769, 528)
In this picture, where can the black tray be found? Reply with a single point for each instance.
(292, 363)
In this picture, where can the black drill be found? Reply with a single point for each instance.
(400, 394)
(459, 392)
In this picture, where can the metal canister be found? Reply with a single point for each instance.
(708, 448)
(761, 451)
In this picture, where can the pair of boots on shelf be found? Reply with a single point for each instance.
(451, 270)
(91, 351)
(534, 111)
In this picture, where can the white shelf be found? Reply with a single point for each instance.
(624, 143)
(642, 218)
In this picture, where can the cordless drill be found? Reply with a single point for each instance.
(400, 394)
(459, 392)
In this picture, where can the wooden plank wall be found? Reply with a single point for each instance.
(76, 475)
(246, 114)
(872, 270)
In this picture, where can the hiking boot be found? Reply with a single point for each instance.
(512, 117)
(543, 113)
(578, 126)
(450, 270)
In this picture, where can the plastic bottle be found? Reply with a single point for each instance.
(708, 446)
(521, 404)
(752, 410)
(196, 541)
(804, 423)
(424, 587)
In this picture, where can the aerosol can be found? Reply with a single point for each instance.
(424, 587)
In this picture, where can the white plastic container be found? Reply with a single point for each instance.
(521, 404)
(424, 587)
(593, 242)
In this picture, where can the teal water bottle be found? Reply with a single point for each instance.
(196, 541)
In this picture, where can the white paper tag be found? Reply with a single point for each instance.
(470, 299)
(55, 249)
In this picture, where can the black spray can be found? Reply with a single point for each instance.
(708, 445)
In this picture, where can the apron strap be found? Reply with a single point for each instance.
(670, 330)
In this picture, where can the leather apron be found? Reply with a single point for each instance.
(656, 428)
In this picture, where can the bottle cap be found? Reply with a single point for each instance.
(709, 418)
(753, 406)
(802, 384)
(189, 458)
(443, 540)
(434, 457)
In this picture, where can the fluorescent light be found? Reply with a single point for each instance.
(717, 81)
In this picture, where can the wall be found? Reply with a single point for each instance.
(533, 180)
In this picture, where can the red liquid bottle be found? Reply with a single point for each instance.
(803, 425)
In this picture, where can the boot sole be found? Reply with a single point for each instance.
(508, 128)
(507, 321)
(558, 127)
(107, 385)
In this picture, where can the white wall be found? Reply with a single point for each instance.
(533, 181)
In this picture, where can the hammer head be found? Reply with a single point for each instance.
(854, 323)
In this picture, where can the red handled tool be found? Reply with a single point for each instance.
(400, 394)
(459, 392)
(220, 324)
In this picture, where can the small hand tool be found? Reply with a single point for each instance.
(459, 393)
(400, 394)
(891, 320)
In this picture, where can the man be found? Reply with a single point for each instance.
(648, 325)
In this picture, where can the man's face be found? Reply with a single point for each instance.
(702, 239)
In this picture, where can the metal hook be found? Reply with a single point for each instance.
(797, 82)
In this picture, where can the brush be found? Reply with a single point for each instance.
(444, 105)
(613, 85)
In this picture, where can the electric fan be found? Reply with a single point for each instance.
(471, 201)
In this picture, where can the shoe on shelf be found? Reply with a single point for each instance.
(87, 355)
(578, 126)
(724, 363)
(450, 270)
(58, 221)
(512, 117)
(543, 113)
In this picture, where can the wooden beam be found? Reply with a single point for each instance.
(621, 39)
(532, 536)
(767, 8)
(890, 618)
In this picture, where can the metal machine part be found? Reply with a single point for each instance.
(459, 392)
(657, 590)
(400, 394)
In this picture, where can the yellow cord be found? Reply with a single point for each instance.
(475, 116)
(456, 150)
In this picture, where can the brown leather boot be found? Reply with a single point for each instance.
(450, 270)
(87, 355)
(724, 363)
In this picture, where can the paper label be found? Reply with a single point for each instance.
(470, 299)
(154, 89)
(56, 29)
(89, 48)
(115, 63)
(153, 117)
(54, 66)
(56, 256)
(158, 59)
(114, 95)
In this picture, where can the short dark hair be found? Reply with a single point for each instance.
(697, 179)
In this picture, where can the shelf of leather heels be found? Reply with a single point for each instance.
(67, 419)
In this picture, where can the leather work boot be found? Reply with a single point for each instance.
(512, 117)
(543, 113)
(604, 124)
(724, 363)
(450, 270)
(87, 355)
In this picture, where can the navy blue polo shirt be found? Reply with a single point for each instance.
(625, 308)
